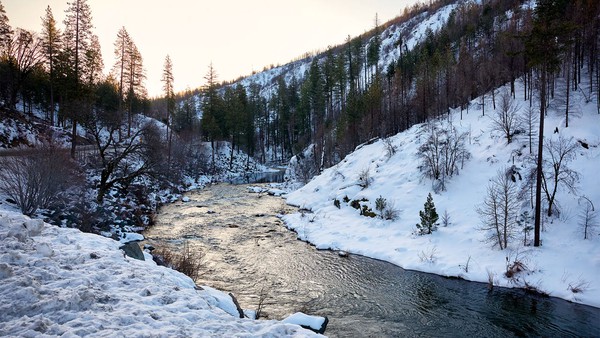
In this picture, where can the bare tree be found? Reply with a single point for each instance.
(588, 217)
(529, 121)
(443, 152)
(556, 173)
(499, 210)
(120, 161)
(24, 55)
(36, 179)
(505, 118)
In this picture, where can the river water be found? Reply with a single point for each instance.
(250, 253)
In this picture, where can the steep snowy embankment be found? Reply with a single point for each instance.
(565, 266)
(61, 282)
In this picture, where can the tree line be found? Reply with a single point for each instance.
(60, 71)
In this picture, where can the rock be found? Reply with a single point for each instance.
(210, 212)
(185, 199)
(132, 249)
(314, 323)
(342, 253)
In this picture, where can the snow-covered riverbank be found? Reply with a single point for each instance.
(565, 266)
(62, 282)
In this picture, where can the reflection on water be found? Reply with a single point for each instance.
(249, 251)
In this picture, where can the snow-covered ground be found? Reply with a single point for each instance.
(565, 266)
(62, 282)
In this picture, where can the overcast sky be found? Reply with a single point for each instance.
(237, 36)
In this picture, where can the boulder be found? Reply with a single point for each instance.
(132, 249)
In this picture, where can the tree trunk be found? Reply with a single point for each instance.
(538, 186)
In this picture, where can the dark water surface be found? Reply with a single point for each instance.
(249, 252)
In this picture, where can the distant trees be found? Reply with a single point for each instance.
(23, 55)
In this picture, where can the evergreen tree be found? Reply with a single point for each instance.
(168, 79)
(544, 50)
(429, 217)
(93, 63)
(51, 40)
(77, 38)
(121, 46)
(5, 30)
(212, 118)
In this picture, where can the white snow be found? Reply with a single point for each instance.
(563, 261)
(62, 282)
(299, 318)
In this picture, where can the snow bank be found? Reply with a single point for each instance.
(564, 261)
(57, 281)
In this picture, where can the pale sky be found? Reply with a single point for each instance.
(237, 36)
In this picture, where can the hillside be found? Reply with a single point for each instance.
(565, 266)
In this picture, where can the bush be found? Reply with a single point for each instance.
(336, 202)
(188, 261)
(367, 212)
(390, 212)
(364, 178)
(35, 179)
(386, 208)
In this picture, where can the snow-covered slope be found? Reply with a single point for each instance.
(62, 282)
(412, 32)
(564, 261)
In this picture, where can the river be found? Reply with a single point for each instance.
(250, 253)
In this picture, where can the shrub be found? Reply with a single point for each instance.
(367, 212)
(188, 261)
(380, 205)
(390, 212)
(364, 178)
(36, 179)
(390, 148)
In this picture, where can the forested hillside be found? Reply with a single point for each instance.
(433, 58)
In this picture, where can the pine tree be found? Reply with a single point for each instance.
(212, 124)
(77, 38)
(51, 37)
(5, 30)
(121, 45)
(429, 217)
(168, 79)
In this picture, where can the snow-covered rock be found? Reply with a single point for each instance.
(314, 323)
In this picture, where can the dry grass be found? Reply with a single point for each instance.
(187, 261)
